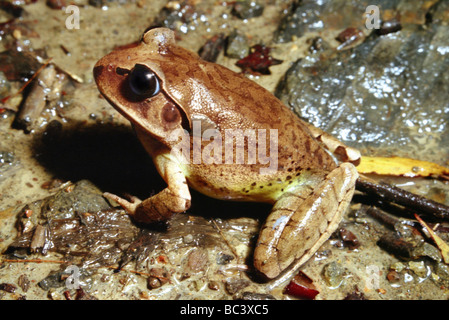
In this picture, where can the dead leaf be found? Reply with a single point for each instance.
(397, 166)
(443, 246)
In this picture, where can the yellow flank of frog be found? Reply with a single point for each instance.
(214, 130)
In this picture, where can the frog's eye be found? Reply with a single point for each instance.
(143, 82)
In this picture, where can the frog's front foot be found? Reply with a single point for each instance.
(130, 207)
(157, 208)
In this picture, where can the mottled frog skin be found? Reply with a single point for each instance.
(173, 98)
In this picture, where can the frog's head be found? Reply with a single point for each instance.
(138, 81)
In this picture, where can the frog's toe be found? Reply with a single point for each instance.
(130, 207)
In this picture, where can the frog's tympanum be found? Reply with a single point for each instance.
(222, 134)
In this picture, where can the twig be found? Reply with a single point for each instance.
(225, 240)
(387, 218)
(42, 67)
(33, 261)
(404, 198)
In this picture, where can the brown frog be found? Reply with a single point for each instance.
(222, 134)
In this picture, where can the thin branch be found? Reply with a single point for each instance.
(386, 192)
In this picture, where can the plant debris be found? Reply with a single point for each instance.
(301, 286)
(389, 193)
(397, 166)
(258, 61)
(443, 246)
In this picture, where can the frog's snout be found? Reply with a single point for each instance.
(98, 70)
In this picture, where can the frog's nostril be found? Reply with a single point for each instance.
(122, 71)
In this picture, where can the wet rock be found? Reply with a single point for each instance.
(398, 266)
(302, 18)
(99, 239)
(224, 258)
(53, 280)
(7, 161)
(56, 4)
(393, 276)
(318, 44)
(419, 268)
(246, 9)
(212, 48)
(8, 287)
(237, 45)
(442, 270)
(406, 231)
(6, 158)
(178, 15)
(5, 86)
(333, 274)
(309, 15)
(158, 277)
(389, 26)
(349, 239)
(24, 283)
(139, 249)
(81, 198)
(213, 285)
(256, 296)
(356, 295)
(18, 65)
(427, 250)
(234, 285)
(439, 13)
(197, 260)
(103, 3)
(58, 279)
(389, 91)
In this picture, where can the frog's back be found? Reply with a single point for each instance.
(230, 103)
(235, 105)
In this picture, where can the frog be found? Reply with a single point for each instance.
(176, 101)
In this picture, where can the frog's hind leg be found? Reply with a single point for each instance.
(301, 221)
